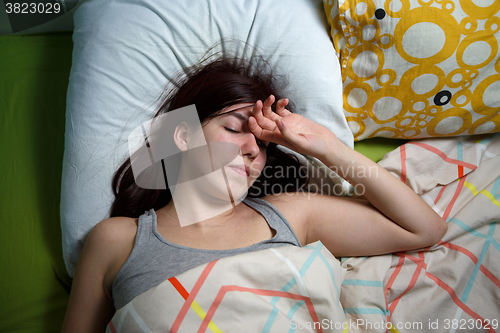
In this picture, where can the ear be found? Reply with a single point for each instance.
(180, 136)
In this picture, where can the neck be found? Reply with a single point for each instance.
(171, 215)
(191, 205)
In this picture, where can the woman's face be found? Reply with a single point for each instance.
(225, 143)
(232, 127)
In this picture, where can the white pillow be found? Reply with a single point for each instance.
(126, 51)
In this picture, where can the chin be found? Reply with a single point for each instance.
(224, 188)
(237, 187)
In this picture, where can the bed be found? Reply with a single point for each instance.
(432, 115)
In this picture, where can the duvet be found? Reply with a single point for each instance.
(286, 289)
(453, 286)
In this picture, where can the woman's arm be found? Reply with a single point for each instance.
(419, 225)
(106, 248)
(393, 219)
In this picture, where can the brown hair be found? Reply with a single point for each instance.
(211, 86)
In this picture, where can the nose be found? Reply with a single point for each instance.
(249, 147)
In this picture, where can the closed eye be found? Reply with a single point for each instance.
(261, 144)
(230, 130)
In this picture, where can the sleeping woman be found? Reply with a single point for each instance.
(145, 241)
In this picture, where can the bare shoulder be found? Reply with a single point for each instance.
(110, 243)
(113, 236)
(306, 211)
(288, 200)
(296, 208)
(303, 203)
(112, 230)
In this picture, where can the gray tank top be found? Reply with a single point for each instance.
(155, 259)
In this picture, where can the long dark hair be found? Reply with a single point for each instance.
(213, 85)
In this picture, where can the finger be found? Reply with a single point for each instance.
(257, 111)
(280, 107)
(268, 103)
(262, 121)
(267, 109)
(263, 134)
(254, 127)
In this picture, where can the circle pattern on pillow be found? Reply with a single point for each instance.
(415, 68)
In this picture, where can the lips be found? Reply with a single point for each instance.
(241, 169)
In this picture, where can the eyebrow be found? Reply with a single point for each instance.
(235, 114)
(238, 115)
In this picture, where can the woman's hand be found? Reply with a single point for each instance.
(290, 130)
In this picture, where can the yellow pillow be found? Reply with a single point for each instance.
(415, 68)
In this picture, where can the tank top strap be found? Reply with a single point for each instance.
(274, 218)
(146, 225)
(268, 211)
(142, 239)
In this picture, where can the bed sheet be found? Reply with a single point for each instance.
(34, 285)
(455, 284)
